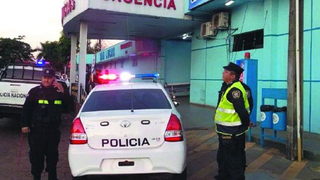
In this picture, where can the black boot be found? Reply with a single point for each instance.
(52, 177)
(37, 177)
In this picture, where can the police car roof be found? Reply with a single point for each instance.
(128, 85)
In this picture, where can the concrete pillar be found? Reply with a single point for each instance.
(73, 59)
(82, 55)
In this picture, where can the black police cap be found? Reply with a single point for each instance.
(49, 73)
(234, 68)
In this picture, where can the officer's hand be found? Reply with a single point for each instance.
(25, 130)
(251, 124)
(58, 86)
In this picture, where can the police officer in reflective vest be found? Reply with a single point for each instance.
(41, 118)
(231, 123)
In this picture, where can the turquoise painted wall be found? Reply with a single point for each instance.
(208, 56)
(177, 61)
(89, 59)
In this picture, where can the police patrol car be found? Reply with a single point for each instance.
(128, 128)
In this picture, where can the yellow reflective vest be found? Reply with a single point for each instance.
(225, 113)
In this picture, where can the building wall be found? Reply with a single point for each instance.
(177, 61)
(172, 62)
(208, 56)
(144, 64)
(89, 58)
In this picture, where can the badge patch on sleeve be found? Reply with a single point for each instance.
(248, 94)
(236, 94)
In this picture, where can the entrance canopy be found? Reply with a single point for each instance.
(127, 19)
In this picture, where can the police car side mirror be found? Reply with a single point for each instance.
(176, 103)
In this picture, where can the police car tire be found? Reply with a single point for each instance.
(182, 176)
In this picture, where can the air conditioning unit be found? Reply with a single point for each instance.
(206, 29)
(220, 20)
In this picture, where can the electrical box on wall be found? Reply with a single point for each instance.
(206, 29)
(220, 20)
(250, 77)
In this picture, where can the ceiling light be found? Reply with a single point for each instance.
(229, 3)
(185, 36)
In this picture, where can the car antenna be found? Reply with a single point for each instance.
(131, 99)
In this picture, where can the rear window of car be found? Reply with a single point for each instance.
(126, 99)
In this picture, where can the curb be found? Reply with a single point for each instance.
(309, 155)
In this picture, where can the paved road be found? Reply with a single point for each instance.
(263, 163)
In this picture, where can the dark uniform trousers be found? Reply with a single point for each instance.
(231, 157)
(44, 142)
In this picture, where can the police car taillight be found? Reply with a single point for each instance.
(108, 77)
(174, 130)
(78, 134)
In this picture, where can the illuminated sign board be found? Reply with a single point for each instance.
(195, 3)
(126, 45)
(68, 7)
(166, 4)
(108, 54)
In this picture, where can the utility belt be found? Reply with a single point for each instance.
(229, 133)
(53, 122)
(229, 137)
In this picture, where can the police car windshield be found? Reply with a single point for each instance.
(126, 100)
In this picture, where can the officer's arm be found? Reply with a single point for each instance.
(249, 95)
(250, 99)
(26, 116)
(235, 96)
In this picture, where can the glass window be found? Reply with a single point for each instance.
(122, 63)
(28, 72)
(8, 73)
(134, 62)
(248, 40)
(18, 72)
(37, 73)
(126, 100)
(23, 72)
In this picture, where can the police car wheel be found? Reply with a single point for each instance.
(182, 176)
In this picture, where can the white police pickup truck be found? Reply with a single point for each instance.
(16, 80)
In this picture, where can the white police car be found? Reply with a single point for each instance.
(128, 128)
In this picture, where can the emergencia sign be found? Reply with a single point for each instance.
(195, 3)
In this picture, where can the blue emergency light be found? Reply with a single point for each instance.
(126, 76)
(41, 62)
(154, 75)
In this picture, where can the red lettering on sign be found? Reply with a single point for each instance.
(149, 2)
(126, 45)
(137, 2)
(156, 3)
(69, 6)
(172, 5)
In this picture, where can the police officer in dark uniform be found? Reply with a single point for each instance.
(231, 123)
(41, 118)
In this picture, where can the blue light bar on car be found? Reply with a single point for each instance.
(154, 75)
(40, 62)
(126, 76)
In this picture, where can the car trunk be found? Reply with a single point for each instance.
(124, 129)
